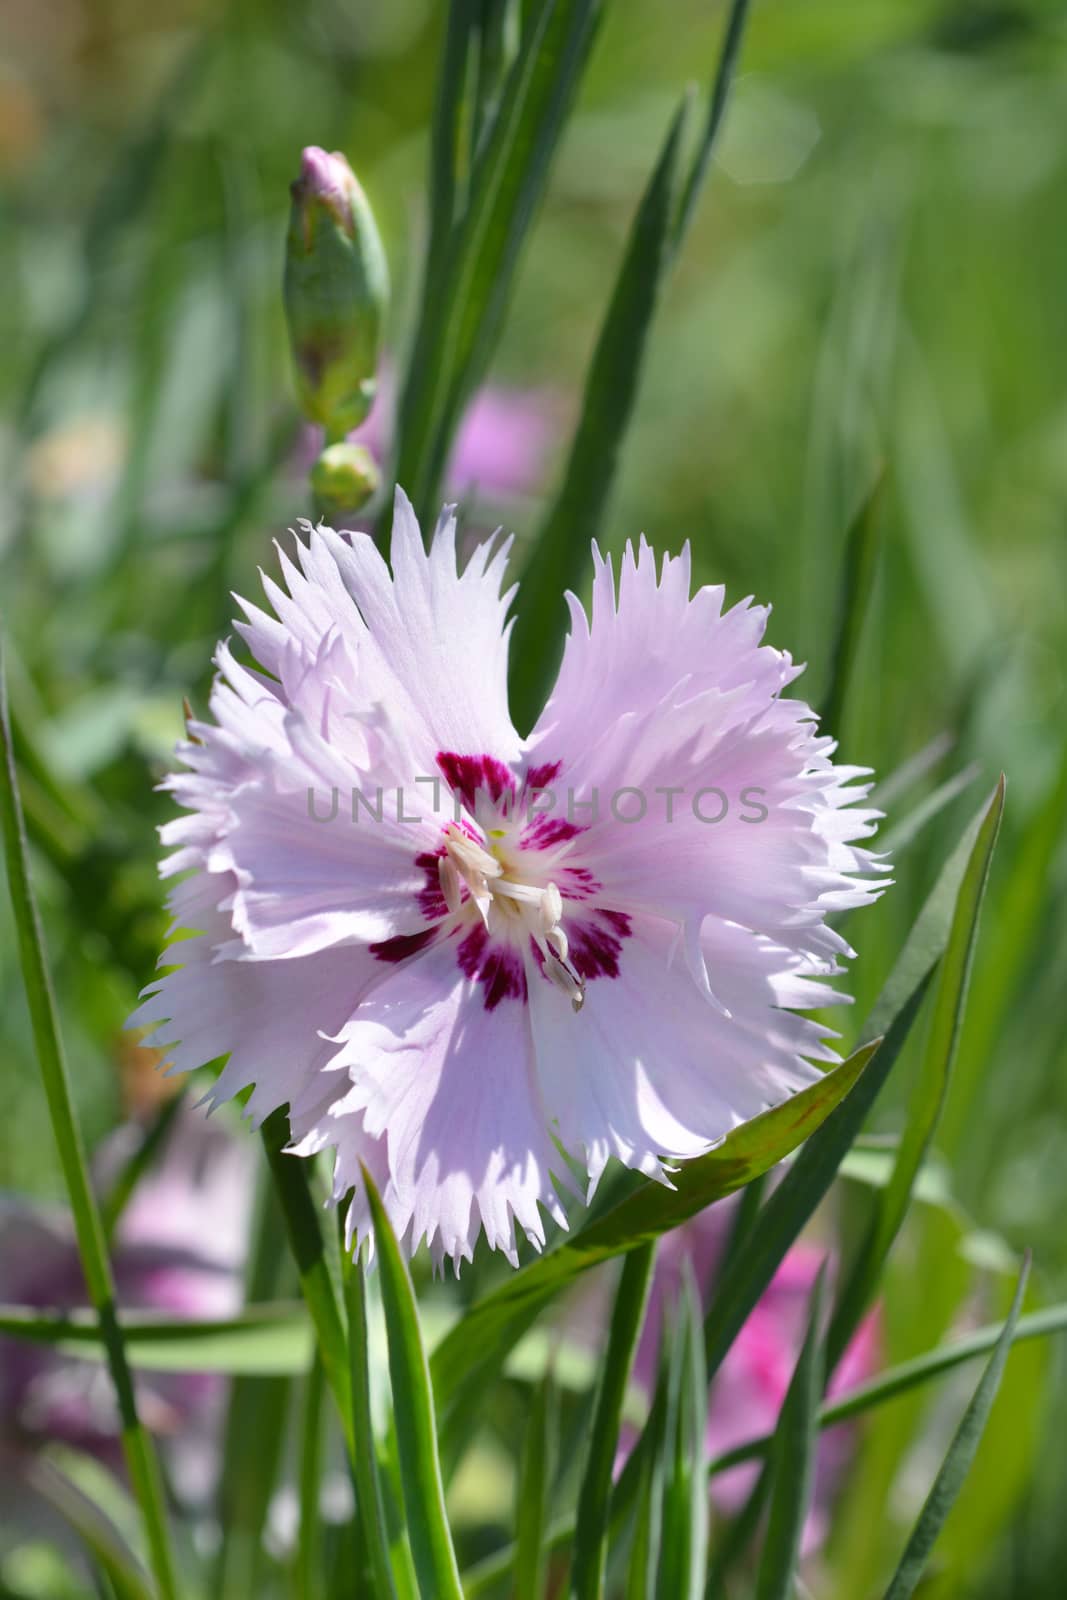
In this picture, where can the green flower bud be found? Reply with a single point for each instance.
(344, 477)
(336, 289)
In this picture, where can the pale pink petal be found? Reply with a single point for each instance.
(646, 1081)
(450, 1087)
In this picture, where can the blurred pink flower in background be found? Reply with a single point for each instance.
(179, 1250)
(747, 1394)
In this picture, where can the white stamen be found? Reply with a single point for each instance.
(551, 907)
(536, 908)
(451, 884)
(469, 855)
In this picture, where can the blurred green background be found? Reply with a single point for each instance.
(878, 274)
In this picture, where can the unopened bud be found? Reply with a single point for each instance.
(344, 477)
(336, 289)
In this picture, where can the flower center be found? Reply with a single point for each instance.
(509, 905)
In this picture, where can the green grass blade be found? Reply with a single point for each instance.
(483, 1337)
(365, 1461)
(92, 1247)
(448, 115)
(925, 1368)
(950, 999)
(793, 1460)
(720, 90)
(102, 1540)
(307, 1240)
(862, 544)
(309, 1534)
(928, 939)
(255, 1424)
(1021, 908)
(888, 790)
(413, 1411)
(907, 1375)
(645, 1550)
(561, 550)
(587, 1568)
(464, 296)
(739, 1533)
(611, 387)
(795, 1199)
(902, 834)
(534, 1494)
(887, 1386)
(957, 1462)
(263, 1340)
(684, 1526)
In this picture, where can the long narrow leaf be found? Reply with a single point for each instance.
(562, 547)
(533, 1498)
(309, 1535)
(793, 1460)
(611, 388)
(587, 1570)
(684, 1527)
(92, 1247)
(307, 1240)
(1020, 912)
(902, 834)
(261, 1340)
(931, 1089)
(493, 1325)
(445, 175)
(857, 582)
(365, 1464)
(957, 1462)
(416, 1433)
(732, 1542)
(720, 90)
(856, 1402)
(465, 295)
(255, 1424)
(809, 1178)
(101, 1538)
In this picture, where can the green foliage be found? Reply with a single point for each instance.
(875, 277)
(792, 1460)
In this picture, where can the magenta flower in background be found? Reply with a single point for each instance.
(502, 446)
(750, 1387)
(447, 977)
(180, 1248)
